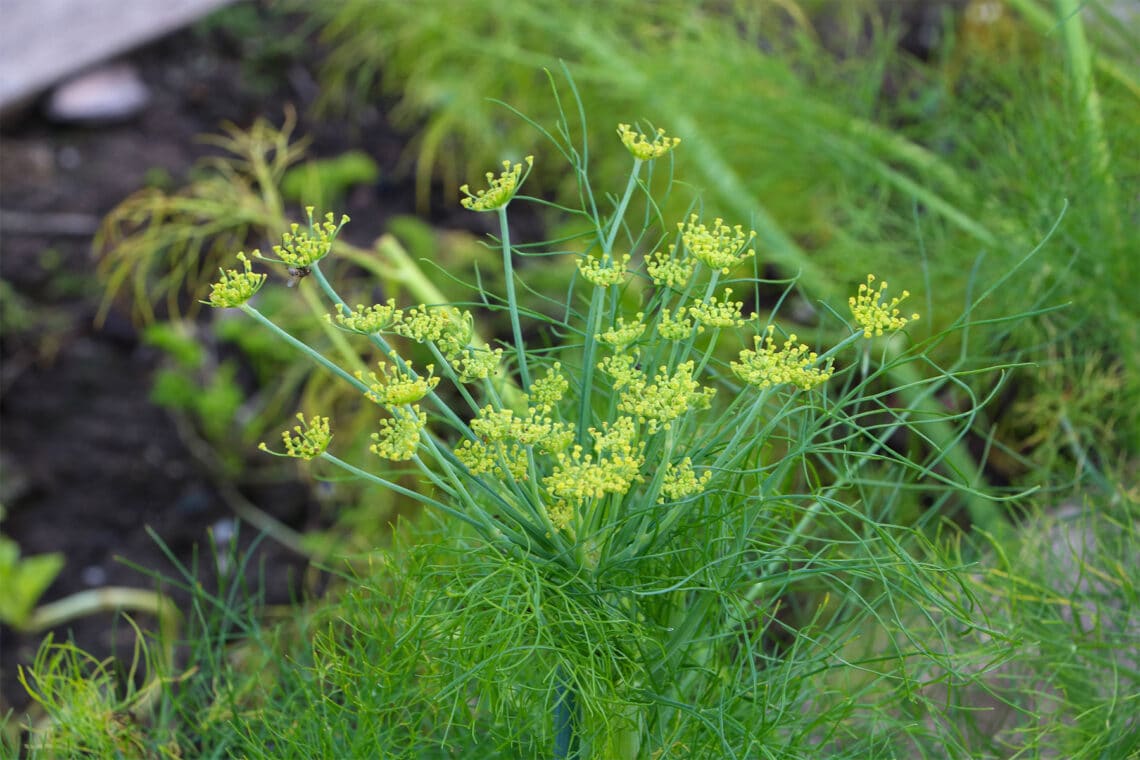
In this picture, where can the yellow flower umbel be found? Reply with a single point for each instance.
(721, 248)
(681, 481)
(872, 314)
(397, 387)
(606, 271)
(301, 248)
(717, 314)
(769, 365)
(499, 191)
(640, 146)
(399, 435)
(234, 288)
(614, 466)
(674, 327)
(621, 334)
(305, 441)
(660, 402)
(503, 437)
(668, 270)
(378, 318)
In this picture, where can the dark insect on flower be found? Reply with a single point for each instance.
(296, 274)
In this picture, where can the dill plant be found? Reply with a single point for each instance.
(668, 521)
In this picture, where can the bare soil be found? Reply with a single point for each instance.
(87, 462)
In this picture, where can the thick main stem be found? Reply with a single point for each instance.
(567, 720)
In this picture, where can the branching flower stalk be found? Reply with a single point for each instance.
(631, 469)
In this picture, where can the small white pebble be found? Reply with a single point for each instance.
(93, 575)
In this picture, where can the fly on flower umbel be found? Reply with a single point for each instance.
(296, 274)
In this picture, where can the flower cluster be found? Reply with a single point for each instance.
(872, 314)
(499, 191)
(681, 480)
(640, 146)
(548, 390)
(672, 327)
(612, 468)
(305, 441)
(768, 365)
(472, 364)
(668, 270)
(503, 438)
(398, 387)
(520, 444)
(301, 248)
(378, 318)
(717, 314)
(661, 401)
(621, 334)
(605, 271)
(721, 248)
(442, 325)
(234, 288)
(399, 434)
(450, 329)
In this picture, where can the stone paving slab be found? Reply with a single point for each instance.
(44, 41)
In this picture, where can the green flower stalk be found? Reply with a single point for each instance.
(496, 197)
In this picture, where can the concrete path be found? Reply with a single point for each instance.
(44, 41)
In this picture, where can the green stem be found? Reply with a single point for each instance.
(512, 300)
(623, 204)
(304, 348)
(426, 500)
(567, 715)
(589, 348)
(593, 318)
